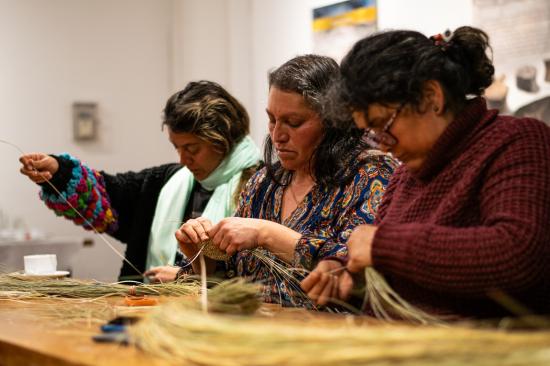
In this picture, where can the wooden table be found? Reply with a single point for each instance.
(28, 338)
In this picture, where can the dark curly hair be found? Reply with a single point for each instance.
(207, 110)
(391, 67)
(330, 163)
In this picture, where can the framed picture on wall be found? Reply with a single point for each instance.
(338, 26)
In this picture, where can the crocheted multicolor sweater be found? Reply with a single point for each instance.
(85, 191)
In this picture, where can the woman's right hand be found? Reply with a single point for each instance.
(191, 234)
(190, 237)
(38, 167)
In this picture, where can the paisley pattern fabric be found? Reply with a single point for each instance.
(325, 218)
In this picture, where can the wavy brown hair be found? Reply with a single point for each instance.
(207, 110)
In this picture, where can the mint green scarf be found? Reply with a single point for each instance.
(175, 195)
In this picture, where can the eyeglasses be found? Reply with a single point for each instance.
(384, 137)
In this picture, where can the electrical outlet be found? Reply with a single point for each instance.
(85, 121)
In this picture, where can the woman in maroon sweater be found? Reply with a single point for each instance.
(464, 227)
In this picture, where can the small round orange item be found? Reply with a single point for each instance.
(140, 301)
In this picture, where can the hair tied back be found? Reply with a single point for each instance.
(442, 40)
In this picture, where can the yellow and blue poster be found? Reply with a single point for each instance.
(338, 26)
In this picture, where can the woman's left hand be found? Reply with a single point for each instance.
(233, 234)
(162, 274)
(360, 247)
(327, 281)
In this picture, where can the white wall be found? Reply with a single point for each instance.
(55, 52)
(282, 29)
(426, 16)
(129, 56)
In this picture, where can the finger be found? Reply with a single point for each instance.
(40, 163)
(199, 229)
(214, 230)
(182, 237)
(354, 265)
(310, 281)
(345, 285)
(224, 243)
(27, 160)
(41, 177)
(217, 238)
(335, 288)
(206, 223)
(189, 230)
(326, 292)
(231, 249)
(150, 272)
(315, 292)
(188, 249)
(26, 172)
(33, 175)
(154, 279)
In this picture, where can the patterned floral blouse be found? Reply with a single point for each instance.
(325, 218)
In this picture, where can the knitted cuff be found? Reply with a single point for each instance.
(61, 178)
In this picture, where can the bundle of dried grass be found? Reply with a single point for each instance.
(235, 296)
(15, 287)
(284, 274)
(379, 297)
(212, 251)
(182, 335)
(386, 304)
(78, 311)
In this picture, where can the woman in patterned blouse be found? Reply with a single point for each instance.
(319, 182)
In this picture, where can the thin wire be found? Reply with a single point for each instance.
(77, 212)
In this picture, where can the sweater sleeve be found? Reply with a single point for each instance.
(509, 250)
(82, 197)
(356, 205)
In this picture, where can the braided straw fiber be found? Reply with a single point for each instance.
(212, 251)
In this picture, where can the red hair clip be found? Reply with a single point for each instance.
(442, 40)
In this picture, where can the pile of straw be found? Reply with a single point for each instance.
(235, 296)
(382, 301)
(212, 251)
(179, 334)
(15, 287)
(66, 312)
(387, 304)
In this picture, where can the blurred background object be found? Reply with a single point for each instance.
(539, 109)
(497, 93)
(526, 79)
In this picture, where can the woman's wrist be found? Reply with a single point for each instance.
(262, 238)
(278, 239)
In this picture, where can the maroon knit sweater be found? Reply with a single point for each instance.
(474, 219)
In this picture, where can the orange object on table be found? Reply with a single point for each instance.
(140, 301)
